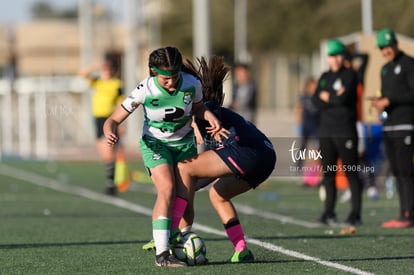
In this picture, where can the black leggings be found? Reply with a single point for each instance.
(346, 148)
(399, 148)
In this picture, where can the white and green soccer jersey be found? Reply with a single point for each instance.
(167, 115)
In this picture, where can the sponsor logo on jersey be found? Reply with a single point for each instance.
(154, 101)
(173, 114)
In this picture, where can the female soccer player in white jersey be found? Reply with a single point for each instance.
(169, 97)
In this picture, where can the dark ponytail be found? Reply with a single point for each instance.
(212, 76)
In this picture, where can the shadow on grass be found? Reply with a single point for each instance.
(257, 261)
(338, 260)
(334, 236)
(63, 244)
(40, 245)
(54, 215)
(373, 259)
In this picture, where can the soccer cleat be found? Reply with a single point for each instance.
(149, 246)
(165, 259)
(176, 236)
(245, 256)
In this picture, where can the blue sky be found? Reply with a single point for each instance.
(15, 11)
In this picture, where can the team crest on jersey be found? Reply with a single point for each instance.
(337, 84)
(156, 156)
(397, 69)
(134, 105)
(187, 97)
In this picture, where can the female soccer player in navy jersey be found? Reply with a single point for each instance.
(237, 158)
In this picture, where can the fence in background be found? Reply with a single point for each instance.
(41, 115)
(50, 117)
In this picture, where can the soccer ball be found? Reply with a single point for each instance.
(191, 250)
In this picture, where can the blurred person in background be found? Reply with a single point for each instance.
(107, 93)
(307, 113)
(244, 97)
(359, 61)
(307, 117)
(396, 106)
(336, 97)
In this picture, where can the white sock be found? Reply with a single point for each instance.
(161, 234)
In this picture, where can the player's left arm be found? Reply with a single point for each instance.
(201, 112)
(197, 133)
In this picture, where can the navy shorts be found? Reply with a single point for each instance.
(252, 164)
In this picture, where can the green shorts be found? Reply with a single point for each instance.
(155, 152)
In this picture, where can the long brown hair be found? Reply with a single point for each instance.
(212, 75)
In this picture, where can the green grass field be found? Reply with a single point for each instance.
(55, 220)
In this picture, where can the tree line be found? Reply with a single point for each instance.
(287, 26)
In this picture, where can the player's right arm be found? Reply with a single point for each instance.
(127, 107)
(111, 125)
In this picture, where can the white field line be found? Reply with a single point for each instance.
(43, 181)
(273, 216)
(247, 210)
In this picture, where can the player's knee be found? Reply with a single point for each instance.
(184, 168)
(165, 191)
(214, 196)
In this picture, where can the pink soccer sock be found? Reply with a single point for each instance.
(236, 236)
(178, 211)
